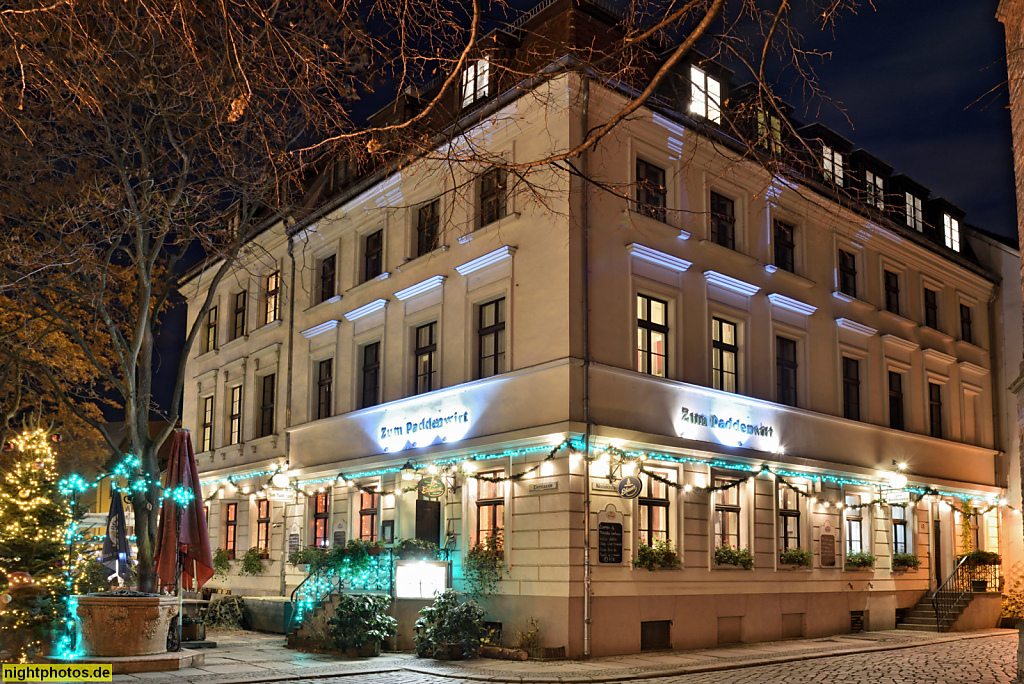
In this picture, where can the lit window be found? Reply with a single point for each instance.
(240, 301)
(899, 529)
(231, 528)
(727, 513)
(272, 298)
(832, 164)
(789, 517)
(490, 508)
(652, 335)
(476, 81)
(951, 227)
(263, 525)
(769, 131)
(654, 510)
(211, 330)
(915, 215)
(368, 500)
(854, 524)
(235, 416)
(725, 351)
(875, 187)
(321, 519)
(207, 435)
(705, 95)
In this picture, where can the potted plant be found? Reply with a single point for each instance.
(902, 562)
(252, 562)
(727, 555)
(661, 556)
(860, 560)
(448, 629)
(221, 568)
(415, 549)
(978, 559)
(360, 624)
(796, 556)
(313, 556)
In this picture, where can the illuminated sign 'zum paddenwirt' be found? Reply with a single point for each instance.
(719, 423)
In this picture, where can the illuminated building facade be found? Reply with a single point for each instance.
(784, 363)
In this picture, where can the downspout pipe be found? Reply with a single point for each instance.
(288, 403)
(585, 229)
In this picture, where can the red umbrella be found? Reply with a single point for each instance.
(190, 537)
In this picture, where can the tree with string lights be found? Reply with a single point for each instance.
(33, 522)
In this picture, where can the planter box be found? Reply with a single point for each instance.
(120, 626)
(979, 586)
(367, 650)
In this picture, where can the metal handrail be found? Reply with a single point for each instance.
(330, 579)
(949, 593)
(311, 592)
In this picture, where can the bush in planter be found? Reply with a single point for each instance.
(860, 559)
(415, 549)
(727, 555)
(220, 563)
(360, 620)
(660, 556)
(313, 556)
(484, 566)
(252, 562)
(983, 558)
(795, 555)
(905, 561)
(446, 624)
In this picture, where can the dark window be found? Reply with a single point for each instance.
(321, 518)
(935, 409)
(931, 308)
(789, 518)
(654, 508)
(231, 528)
(723, 221)
(650, 190)
(491, 336)
(899, 529)
(272, 298)
(851, 388)
(490, 507)
(325, 388)
(371, 375)
(327, 273)
(727, 513)
(267, 406)
(426, 227)
(207, 435)
(724, 350)
(211, 329)
(785, 247)
(854, 524)
(875, 190)
(892, 292)
(263, 525)
(368, 500)
(895, 401)
(847, 273)
(785, 370)
(492, 196)
(373, 255)
(966, 331)
(235, 416)
(426, 358)
(240, 301)
(652, 335)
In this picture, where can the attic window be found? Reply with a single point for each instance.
(952, 231)
(769, 131)
(705, 95)
(476, 81)
(875, 187)
(832, 163)
(915, 217)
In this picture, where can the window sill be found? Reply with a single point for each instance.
(964, 345)
(730, 568)
(330, 300)
(237, 342)
(412, 262)
(738, 258)
(853, 301)
(849, 569)
(793, 278)
(645, 221)
(492, 226)
(208, 354)
(896, 318)
(366, 283)
(267, 326)
(266, 439)
(789, 567)
(928, 330)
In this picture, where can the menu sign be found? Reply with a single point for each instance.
(609, 542)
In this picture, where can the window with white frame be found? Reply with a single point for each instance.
(266, 413)
(725, 355)
(789, 515)
(723, 220)
(238, 329)
(915, 214)
(231, 528)
(235, 416)
(854, 515)
(210, 340)
(476, 81)
(652, 335)
(272, 297)
(206, 435)
(369, 498)
(263, 524)
(951, 229)
(847, 273)
(490, 508)
(373, 255)
(327, 269)
(654, 506)
(493, 191)
(491, 338)
(425, 356)
(705, 95)
(321, 518)
(428, 222)
(832, 164)
(900, 530)
(324, 388)
(727, 512)
(874, 185)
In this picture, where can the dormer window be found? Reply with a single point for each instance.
(874, 186)
(832, 163)
(769, 131)
(951, 227)
(705, 95)
(476, 81)
(915, 216)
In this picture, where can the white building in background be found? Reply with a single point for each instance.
(794, 345)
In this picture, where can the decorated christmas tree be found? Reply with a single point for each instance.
(33, 520)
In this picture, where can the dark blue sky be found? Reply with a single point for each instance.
(924, 86)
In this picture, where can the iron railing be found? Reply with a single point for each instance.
(991, 575)
(949, 594)
(377, 575)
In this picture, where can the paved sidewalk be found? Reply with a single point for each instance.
(253, 657)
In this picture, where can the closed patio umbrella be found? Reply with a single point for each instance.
(182, 521)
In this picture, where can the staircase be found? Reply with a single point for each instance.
(922, 617)
(939, 611)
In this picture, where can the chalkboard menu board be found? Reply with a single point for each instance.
(828, 550)
(609, 542)
(293, 542)
(339, 537)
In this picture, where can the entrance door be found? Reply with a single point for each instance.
(428, 520)
(937, 556)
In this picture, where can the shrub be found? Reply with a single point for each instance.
(447, 622)
(727, 555)
(983, 558)
(220, 563)
(860, 559)
(415, 549)
(905, 561)
(660, 556)
(360, 619)
(252, 562)
(313, 556)
(1013, 599)
(484, 566)
(797, 556)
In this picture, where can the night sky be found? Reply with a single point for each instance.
(924, 86)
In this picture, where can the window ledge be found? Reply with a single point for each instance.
(330, 300)
(853, 301)
(935, 333)
(793, 278)
(493, 225)
(412, 262)
(729, 568)
(366, 283)
(738, 258)
(266, 439)
(208, 354)
(269, 326)
(634, 216)
(789, 567)
(237, 342)
(964, 345)
(897, 318)
(849, 569)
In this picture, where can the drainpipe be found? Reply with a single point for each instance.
(288, 406)
(585, 227)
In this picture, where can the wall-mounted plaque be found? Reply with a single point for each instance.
(609, 542)
(293, 542)
(827, 546)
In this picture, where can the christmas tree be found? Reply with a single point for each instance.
(33, 521)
